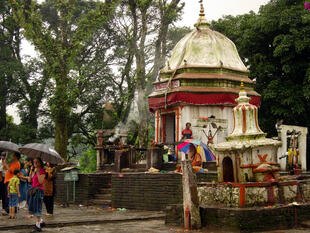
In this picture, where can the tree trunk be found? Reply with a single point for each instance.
(61, 110)
(61, 135)
(143, 118)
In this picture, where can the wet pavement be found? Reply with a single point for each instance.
(151, 226)
(93, 219)
(79, 215)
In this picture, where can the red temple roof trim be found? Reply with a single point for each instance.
(225, 99)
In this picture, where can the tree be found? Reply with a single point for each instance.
(32, 90)
(275, 45)
(59, 36)
(145, 24)
(10, 63)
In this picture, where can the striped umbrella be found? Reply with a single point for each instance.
(203, 149)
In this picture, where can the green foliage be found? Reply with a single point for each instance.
(88, 161)
(10, 64)
(275, 44)
(59, 30)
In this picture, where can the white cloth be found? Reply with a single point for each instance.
(2, 169)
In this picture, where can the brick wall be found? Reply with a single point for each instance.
(86, 187)
(150, 191)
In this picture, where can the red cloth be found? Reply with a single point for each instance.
(199, 99)
(187, 133)
(35, 179)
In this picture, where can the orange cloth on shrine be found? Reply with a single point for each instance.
(196, 162)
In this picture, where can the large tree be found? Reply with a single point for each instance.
(275, 45)
(59, 35)
(10, 63)
(149, 19)
(32, 89)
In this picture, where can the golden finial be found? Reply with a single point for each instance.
(202, 22)
(202, 10)
(242, 86)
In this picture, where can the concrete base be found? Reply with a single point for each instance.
(255, 219)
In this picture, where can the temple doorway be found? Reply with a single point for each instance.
(169, 137)
(228, 172)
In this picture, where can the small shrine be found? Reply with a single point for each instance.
(247, 155)
(200, 80)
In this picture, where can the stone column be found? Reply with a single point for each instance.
(190, 197)
(154, 158)
(99, 148)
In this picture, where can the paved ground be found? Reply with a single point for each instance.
(79, 215)
(82, 219)
(151, 226)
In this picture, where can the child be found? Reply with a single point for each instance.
(13, 193)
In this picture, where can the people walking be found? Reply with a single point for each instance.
(49, 188)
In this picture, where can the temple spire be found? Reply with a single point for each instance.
(202, 11)
(202, 22)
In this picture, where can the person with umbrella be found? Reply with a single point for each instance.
(8, 176)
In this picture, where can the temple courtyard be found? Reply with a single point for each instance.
(77, 218)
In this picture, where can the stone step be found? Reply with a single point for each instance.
(107, 196)
(211, 166)
(305, 224)
(100, 202)
(105, 191)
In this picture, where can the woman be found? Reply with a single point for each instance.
(22, 186)
(195, 157)
(29, 174)
(49, 188)
(36, 193)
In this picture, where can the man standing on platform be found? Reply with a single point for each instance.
(187, 132)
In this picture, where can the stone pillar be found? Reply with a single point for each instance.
(121, 160)
(154, 158)
(99, 148)
(190, 197)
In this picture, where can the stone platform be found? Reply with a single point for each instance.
(79, 215)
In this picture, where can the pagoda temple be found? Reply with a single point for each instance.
(201, 79)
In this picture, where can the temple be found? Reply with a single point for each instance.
(201, 79)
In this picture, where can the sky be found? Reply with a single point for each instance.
(214, 9)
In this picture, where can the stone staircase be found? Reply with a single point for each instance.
(103, 197)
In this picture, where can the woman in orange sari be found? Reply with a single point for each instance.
(195, 157)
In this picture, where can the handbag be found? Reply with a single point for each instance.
(32, 191)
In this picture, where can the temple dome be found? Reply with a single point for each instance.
(204, 47)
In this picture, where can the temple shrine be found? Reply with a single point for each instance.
(201, 79)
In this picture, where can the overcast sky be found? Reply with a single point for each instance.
(214, 9)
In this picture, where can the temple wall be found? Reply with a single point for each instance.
(253, 194)
(192, 113)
